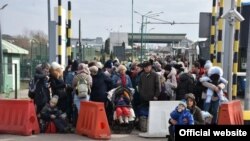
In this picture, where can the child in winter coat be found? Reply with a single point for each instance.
(122, 104)
(50, 113)
(180, 116)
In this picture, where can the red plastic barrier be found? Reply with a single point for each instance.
(92, 121)
(18, 117)
(231, 113)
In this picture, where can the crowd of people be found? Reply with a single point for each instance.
(59, 91)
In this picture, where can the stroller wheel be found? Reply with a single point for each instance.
(115, 127)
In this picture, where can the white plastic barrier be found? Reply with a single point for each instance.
(159, 115)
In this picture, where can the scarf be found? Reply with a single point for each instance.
(123, 78)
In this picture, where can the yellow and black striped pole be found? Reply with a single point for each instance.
(69, 32)
(212, 33)
(236, 50)
(59, 32)
(220, 27)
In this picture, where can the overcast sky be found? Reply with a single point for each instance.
(99, 15)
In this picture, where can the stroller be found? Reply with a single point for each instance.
(116, 125)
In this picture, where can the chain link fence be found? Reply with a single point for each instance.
(38, 54)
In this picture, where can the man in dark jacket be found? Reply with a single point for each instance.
(149, 84)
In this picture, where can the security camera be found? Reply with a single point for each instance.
(233, 13)
(237, 15)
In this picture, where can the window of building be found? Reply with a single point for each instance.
(9, 64)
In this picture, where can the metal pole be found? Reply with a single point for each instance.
(31, 62)
(69, 33)
(220, 32)
(230, 64)
(59, 31)
(15, 81)
(142, 17)
(1, 55)
(40, 44)
(132, 41)
(80, 45)
(1, 60)
(247, 91)
(235, 51)
(49, 19)
(212, 32)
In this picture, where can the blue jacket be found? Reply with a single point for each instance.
(117, 77)
(180, 116)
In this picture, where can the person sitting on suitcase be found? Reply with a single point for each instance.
(50, 113)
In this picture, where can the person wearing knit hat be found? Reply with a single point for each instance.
(51, 113)
(83, 68)
(108, 64)
(93, 70)
(108, 68)
(99, 65)
(83, 75)
(194, 110)
(180, 113)
(179, 116)
(182, 105)
(116, 62)
(101, 84)
(207, 66)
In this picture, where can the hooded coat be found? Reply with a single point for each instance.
(42, 94)
(196, 112)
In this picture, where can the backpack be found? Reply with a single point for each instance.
(32, 88)
(82, 86)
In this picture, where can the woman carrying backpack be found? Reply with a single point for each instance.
(42, 93)
(82, 83)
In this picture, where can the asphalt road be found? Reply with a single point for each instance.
(74, 137)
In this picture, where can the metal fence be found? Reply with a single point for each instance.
(38, 54)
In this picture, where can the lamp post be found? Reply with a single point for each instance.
(149, 14)
(148, 32)
(31, 55)
(1, 53)
(142, 18)
(132, 41)
(119, 35)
